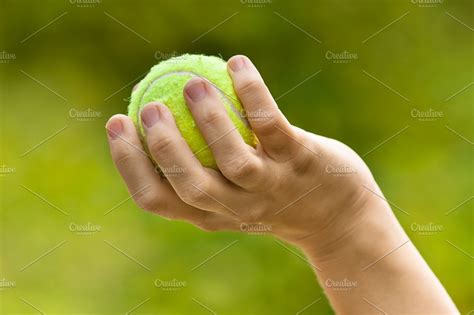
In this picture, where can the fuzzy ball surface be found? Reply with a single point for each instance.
(165, 83)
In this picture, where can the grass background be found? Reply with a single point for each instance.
(88, 56)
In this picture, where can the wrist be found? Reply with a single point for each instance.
(365, 229)
(375, 258)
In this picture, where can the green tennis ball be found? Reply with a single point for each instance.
(165, 83)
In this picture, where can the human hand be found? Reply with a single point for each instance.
(294, 184)
(306, 189)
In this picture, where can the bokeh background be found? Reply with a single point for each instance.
(64, 59)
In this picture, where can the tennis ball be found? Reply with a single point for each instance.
(165, 83)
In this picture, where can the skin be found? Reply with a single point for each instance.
(288, 186)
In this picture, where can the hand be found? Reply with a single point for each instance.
(294, 184)
(309, 190)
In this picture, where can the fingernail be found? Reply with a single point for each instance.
(114, 128)
(196, 91)
(150, 115)
(237, 63)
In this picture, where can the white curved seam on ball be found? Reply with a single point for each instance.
(223, 95)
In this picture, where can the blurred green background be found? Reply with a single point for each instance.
(61, 59)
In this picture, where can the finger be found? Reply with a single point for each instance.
(144, 184)
(236, 160)
(147, 188)
(193, 184)
(212, 222)
(178, 210)
(133, 163)
(269, 124)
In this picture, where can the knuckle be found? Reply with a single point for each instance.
(240, 168)
(302, 162)
(267, 127)
(306, 153)
(124, 159)
(210, 118)
(195, 195)
(164, 144)
(254, 215)
(146, 201)
(249, 87)
(256, 93)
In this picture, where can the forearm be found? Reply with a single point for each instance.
(375, 269)
(347, 232)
